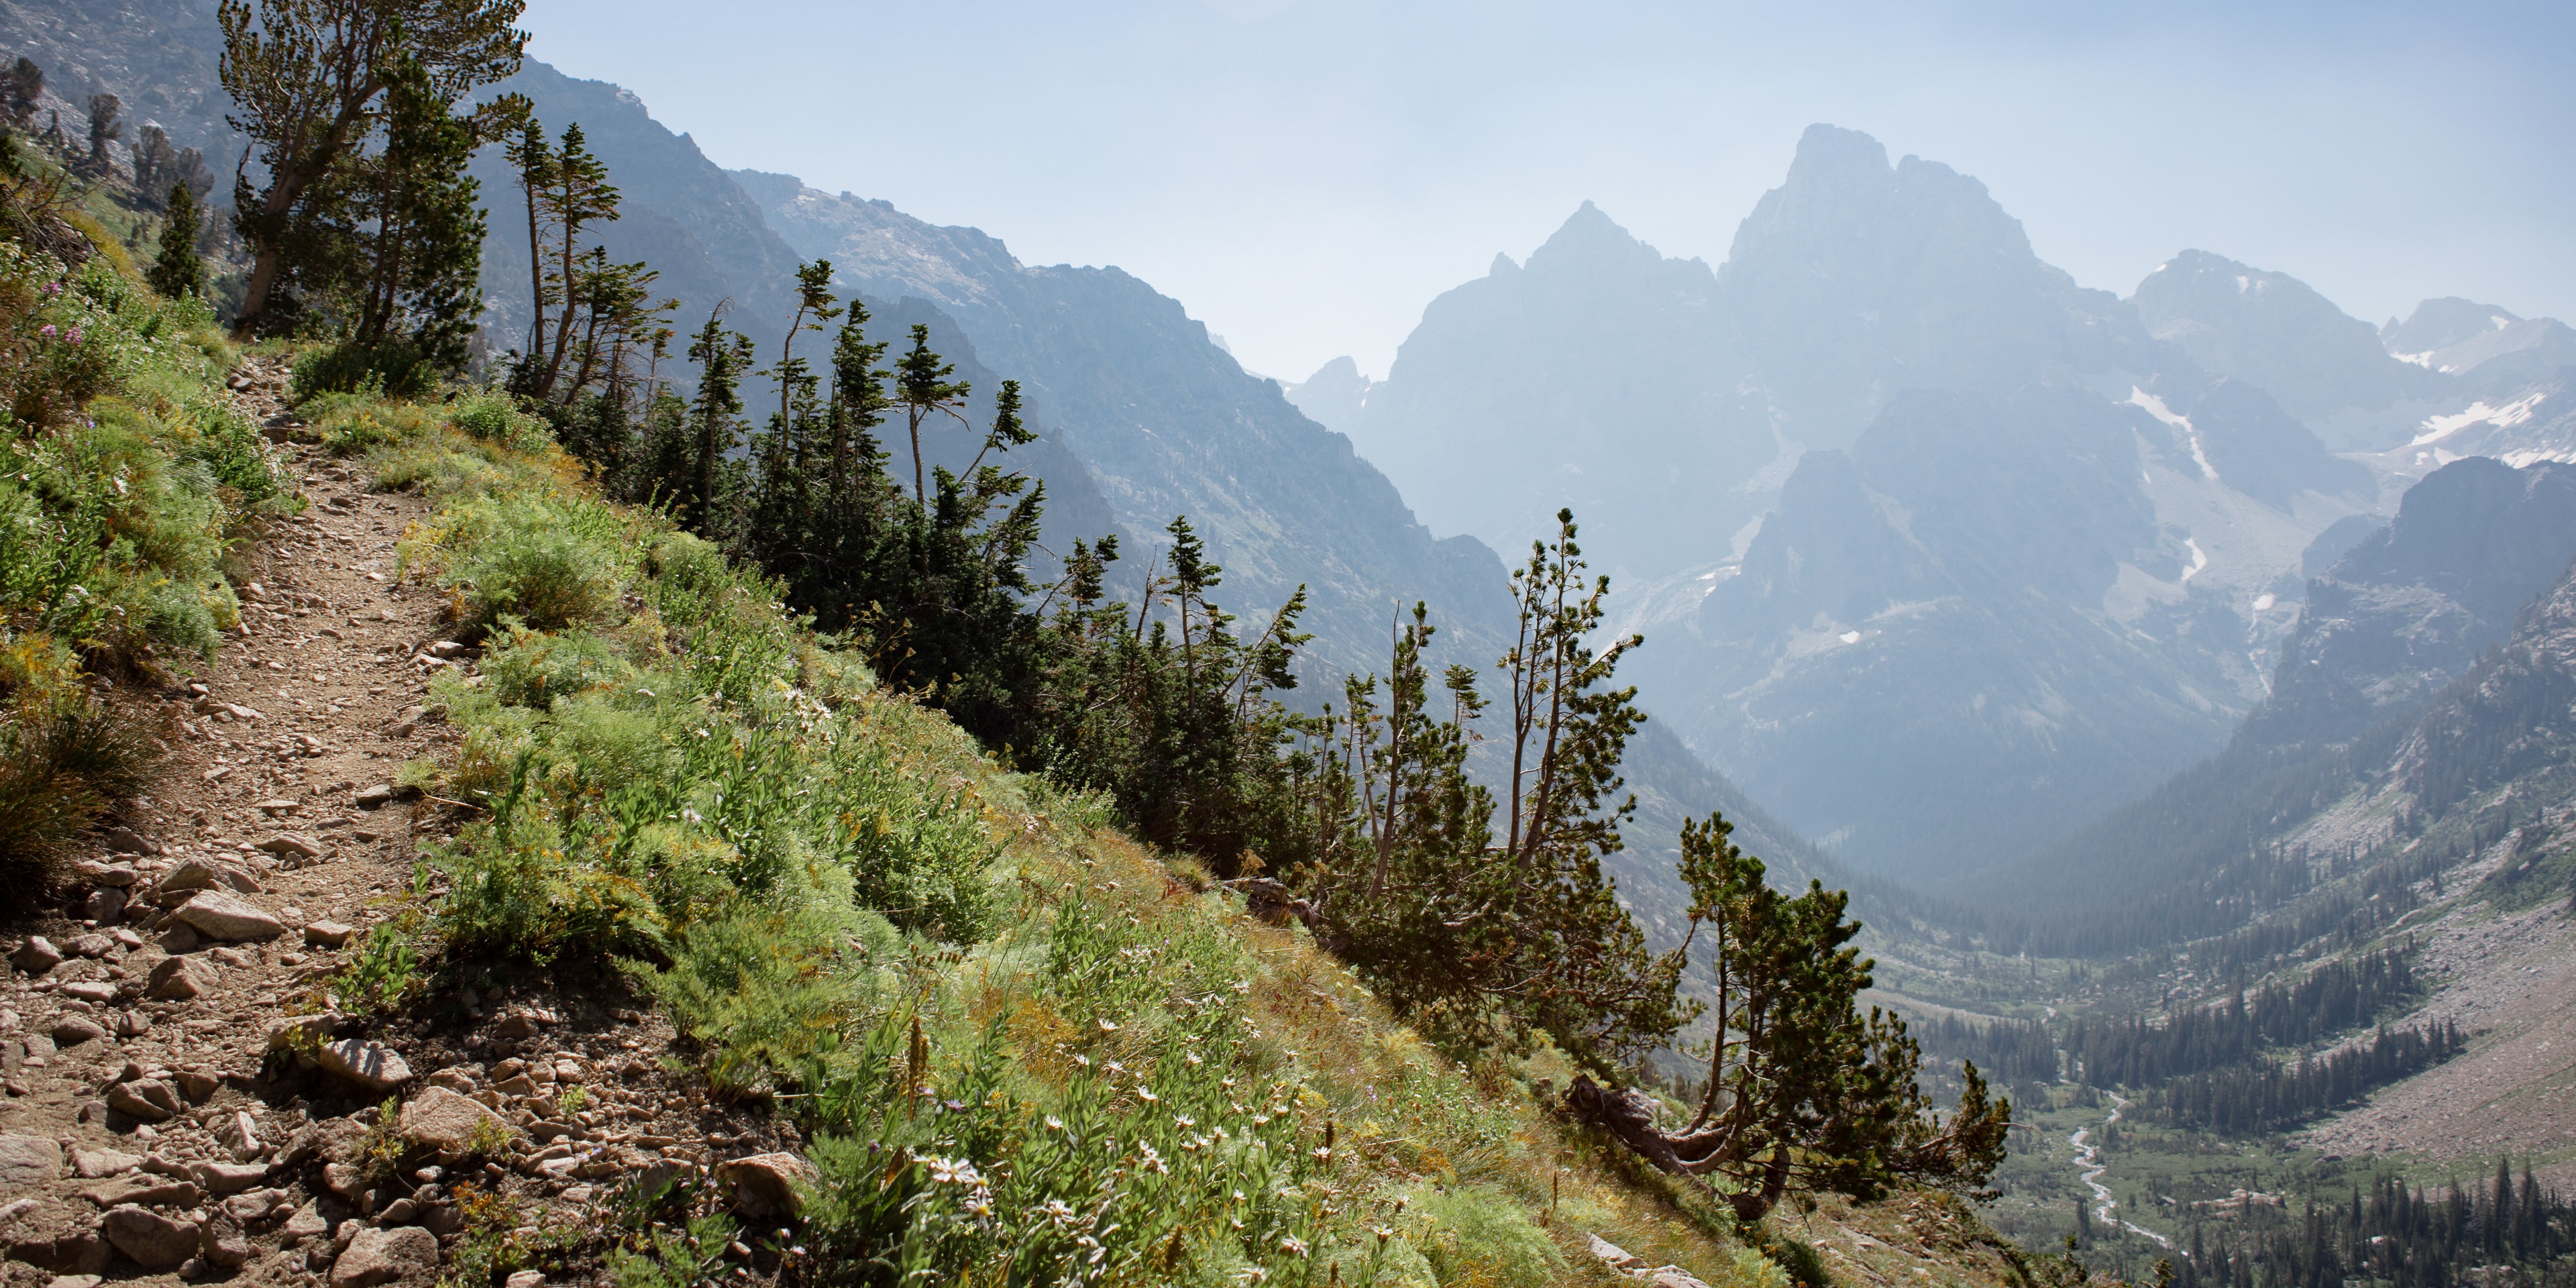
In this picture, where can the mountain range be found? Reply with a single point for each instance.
(1938, 553)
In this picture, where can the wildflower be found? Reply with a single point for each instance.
(47, 330)
(74, 335)
(1107, 1027)
(1054, 1123)
(1183, 1122)
(1153, 1160)
(1293, 1246)
(1193, 1058)
(1146, 1094)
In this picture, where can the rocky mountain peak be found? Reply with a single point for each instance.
(2439, 324)
(2275, 331)
(1590, 243)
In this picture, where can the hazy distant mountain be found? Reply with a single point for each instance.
(1928, 629)
(1169, 424)
(1592, 376)
(1333, 396)
(1855, 280)
(1965, 633)
(2410, 608)
(2274, 331)
(2492, 348)
(2404, 613)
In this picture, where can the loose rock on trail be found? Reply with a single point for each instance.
(180, 1098)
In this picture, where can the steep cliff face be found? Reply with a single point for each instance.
(1170, 424)
(1594, 376)
(1856, 279)
(2274, 331)
(2410, 608)
(158, 55)
(2368, 719)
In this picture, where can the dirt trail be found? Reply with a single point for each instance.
(157, 1120)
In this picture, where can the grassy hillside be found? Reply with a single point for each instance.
(1014, 1039)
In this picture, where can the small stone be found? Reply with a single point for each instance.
(764, 1185)
(399, 1212)
(372, 1065)
(154, 1241)
(91, 990)
(178, 979)
(72, 1030)
(229, 1178)
(280, 805)
(132, 1024)
(307, 1223)
(375, 797)
(516, 1087)
(36, 956)
(301, 1030)
(220, 1241)
(106, 874)
(105, 905)
(93, 1164)
(73, 1281)
(382, 1256)
(148, 1100)
(29, 1160)
(191, 874)
(454, 1078)
(217, 915)
(125, 840)
(290, 843)
(179, 938)
(343, 1179)
(91, 945)
(233, 957)
(196, 1084)
(526, 1278)
(444, 1120)
(327, 934)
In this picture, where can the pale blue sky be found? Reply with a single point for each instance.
(1305, 175)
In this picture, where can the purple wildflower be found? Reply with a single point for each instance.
(47, 330)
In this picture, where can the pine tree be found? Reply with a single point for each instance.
(1801, 1087)
(105, 127)
(178, 272)
(308, 81)
(421, 251)
(923, 387)
(20, 88)
(714, 427)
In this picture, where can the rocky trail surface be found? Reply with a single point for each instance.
(187, 1092)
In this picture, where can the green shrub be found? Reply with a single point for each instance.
(493, 418)
(764, 990)
(391, 369)
(543, 575)
(1479, 1235)
(533, 668)
(62, 764)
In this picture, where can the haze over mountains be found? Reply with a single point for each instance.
(1941, 554)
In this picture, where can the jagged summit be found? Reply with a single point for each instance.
(1590, 241)
(2276, 331)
